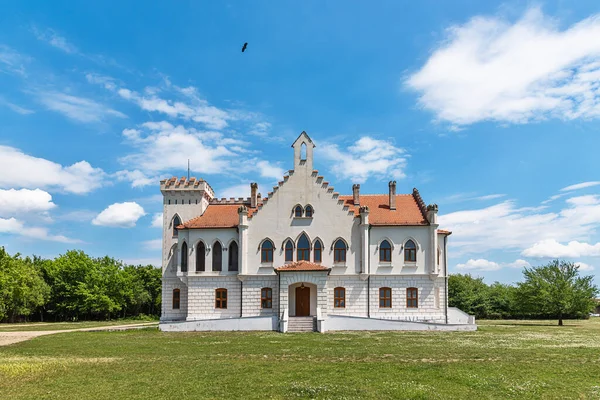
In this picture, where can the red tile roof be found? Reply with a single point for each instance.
(302, 266)
(218, 216)
(444, 232)
(407, 212)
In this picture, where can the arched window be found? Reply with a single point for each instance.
(176, 299)
(385, 297)
(385, 251)
(221, 298)
(303, 151)
(200, 257)
(339, 251)
(298, 211)
(303, 252)
(217, 256)
(410, 251)
(318, 251)
(184, 257)
(412, 297)
(176, 223)
(289, 251)
(339, 297)
(266, 252)
(308, 212)
(266, 298)
(233, 257)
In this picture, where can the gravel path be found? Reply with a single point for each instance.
(7, 338)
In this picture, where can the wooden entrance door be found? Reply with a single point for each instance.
(302, 301)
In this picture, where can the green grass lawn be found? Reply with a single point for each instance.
(503, 359)
(56, 326)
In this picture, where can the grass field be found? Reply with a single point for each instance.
(504, 359)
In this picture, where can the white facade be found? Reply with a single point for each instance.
(304, 288)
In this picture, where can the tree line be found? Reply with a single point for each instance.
(552, 291)
(75, 287)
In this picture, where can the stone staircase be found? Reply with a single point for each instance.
(301, 324)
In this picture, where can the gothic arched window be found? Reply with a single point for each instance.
(298, 211)
(339, 251)
(233, 257)
(289, 251)
(200, 257)
(176, 223)
(410, 251)
(308, 212)
(266, 252)
(385, 251)
(303, 252)
(217, 256)
(318, 251)
(184, 257)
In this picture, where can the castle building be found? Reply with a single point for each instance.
(304, 257)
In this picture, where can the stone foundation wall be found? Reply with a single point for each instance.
(201, 297)
(429, 308)
(356, 295)
(252, 292)
(167, 311)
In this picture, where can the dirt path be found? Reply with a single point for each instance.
(7, 338)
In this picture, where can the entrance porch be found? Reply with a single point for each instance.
(303, 293)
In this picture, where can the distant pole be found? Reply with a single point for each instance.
(188, 169)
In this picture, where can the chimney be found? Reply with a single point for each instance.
(392, 185)
(356, 194)
(253, 195)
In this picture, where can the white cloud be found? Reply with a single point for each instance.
(267, 170)
(578, 186)
(155, 244)
(16, 108)
(157, 220)
(550, 248)
(166, 148)
(11, 61)
(490, 197)
(195, 109)
(25, 171)
(517, 264)
(106, 81)
(366, 158)
(584, 267)
(15, 203)
(506, 227)
(15, 227)
(260, 129)
(479, 265)
(77, 108)
(493, 69)
(137, 178)
(121, 215)
(54, 39)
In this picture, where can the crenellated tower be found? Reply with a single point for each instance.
(183, 199)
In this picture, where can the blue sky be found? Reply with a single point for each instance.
(489, 109)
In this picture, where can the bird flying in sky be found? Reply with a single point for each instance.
(244, 47)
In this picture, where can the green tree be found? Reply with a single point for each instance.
(556, 290)
(22, 289)
(469, 294)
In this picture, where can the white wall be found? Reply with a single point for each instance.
(330, 220)
(398, 235)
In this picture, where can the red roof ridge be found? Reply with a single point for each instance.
(302, 265)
